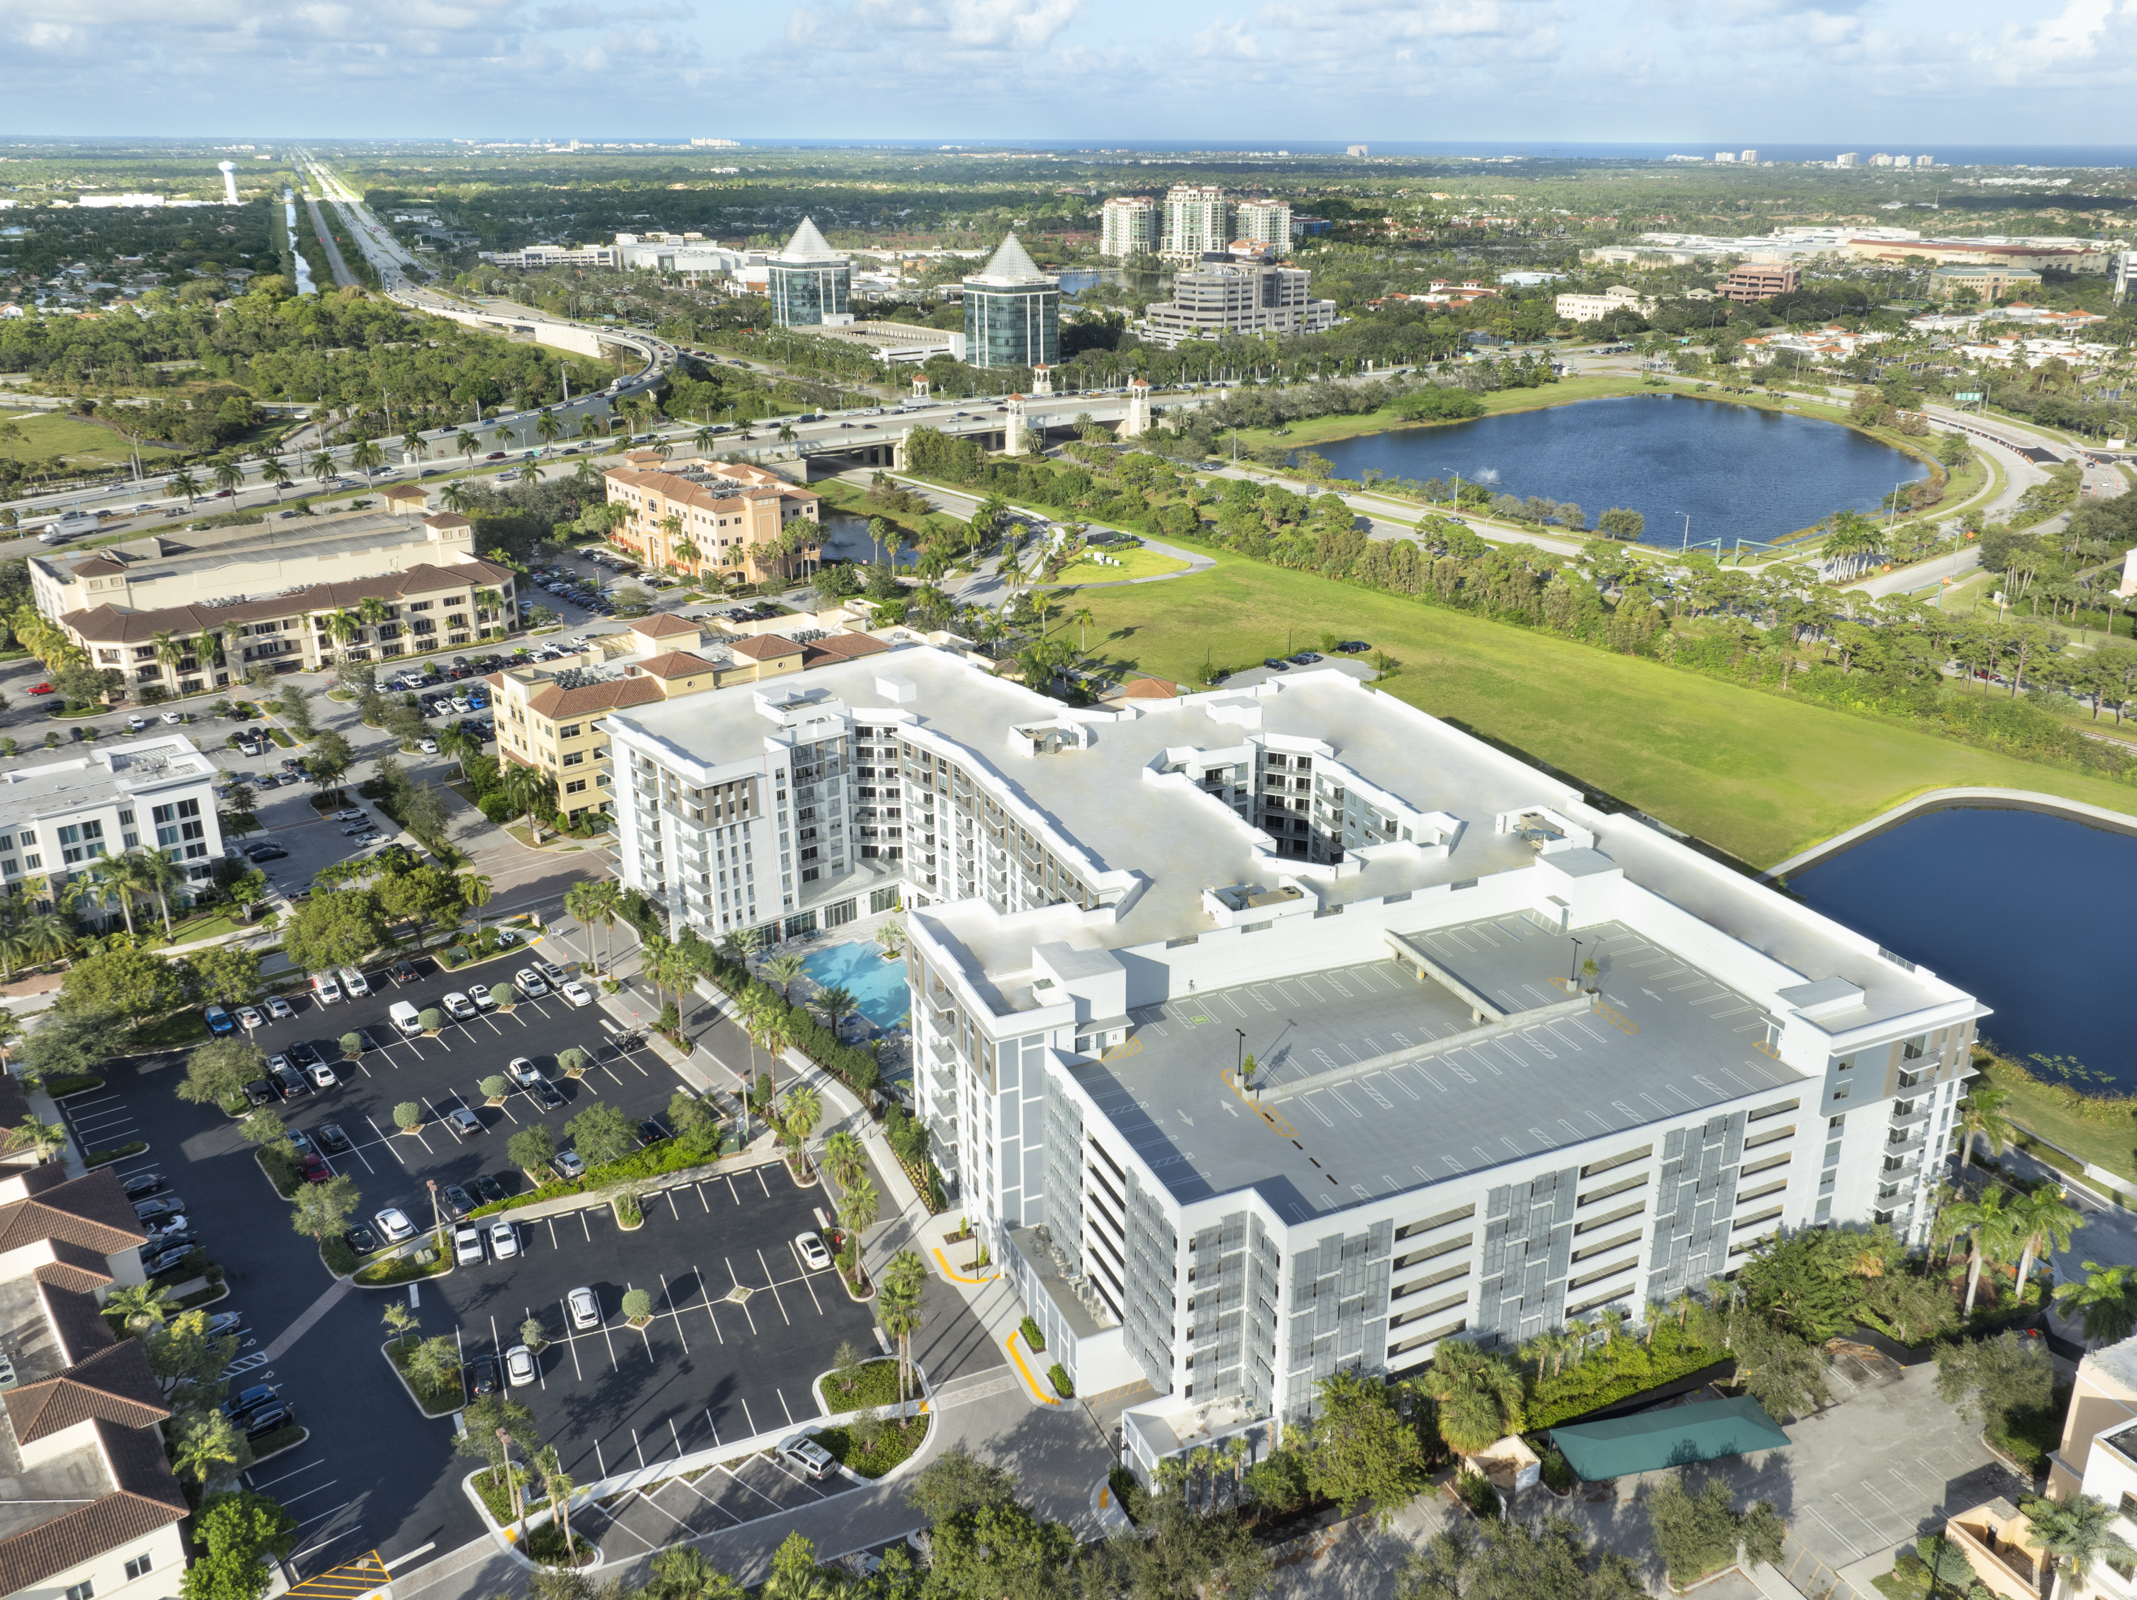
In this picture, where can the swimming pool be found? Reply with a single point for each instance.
(877, 985)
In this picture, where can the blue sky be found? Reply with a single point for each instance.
(1715, 73)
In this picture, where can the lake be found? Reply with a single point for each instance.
(2025, 910)
(1739, 471)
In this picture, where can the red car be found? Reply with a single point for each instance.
(495, 455)
(316, 1170)
(42, 688)
(223, 494)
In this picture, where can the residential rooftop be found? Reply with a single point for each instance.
(101, 773)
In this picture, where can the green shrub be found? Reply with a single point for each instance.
(1557, 1471)
(637, 1305)
(1477, 1493)
(60, 1085)
(452, 958)
(100, 1158)
(340, 1259)
(431, 1018)
(1057, 1374)
(407, 1115)
(352, 1044)
(1034, 1340)
(279, 1162)
(494, 1087)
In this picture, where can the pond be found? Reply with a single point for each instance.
(2023, 909)
(876, 984)
(1740, 472)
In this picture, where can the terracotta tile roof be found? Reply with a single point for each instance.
(765, 647)
(446, 519)
(1152, 689)
(108, 625)
(115, 1385)
(98, 567)
(675, 664)
(840, 647)
(93, 1212)
(74, 1267)
(76, 1320)
(553, 702)
(148, 1498)
(666, 623)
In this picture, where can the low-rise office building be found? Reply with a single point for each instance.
(543, 257)
(1271, 1032)
(1223, 296)
(190, 611)
(156, 793)
(1988, 283)
(89, 1509)
(1756, 281)
(1595, 307)
(717, 518)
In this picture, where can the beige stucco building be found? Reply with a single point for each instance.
(729, 520)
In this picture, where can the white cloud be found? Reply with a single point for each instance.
(1228, 40)
(2077, 37)
(960, 26)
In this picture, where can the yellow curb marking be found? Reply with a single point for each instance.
(1038, 1394)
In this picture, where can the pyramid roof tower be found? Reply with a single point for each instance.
(1011, 263)
(808, 245)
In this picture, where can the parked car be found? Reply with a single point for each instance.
(165, 1205)
(219, 1020)
(546, 1095)
(137, 722)
(812, 1251)
(248, 1018)
(280, 1009)
(484, 999)
(165, 1261)
(467, 1247)
(316, 1170)
(487, 1189)
(269, 1419)
(322, 1076)
(806, 1456)
(288, 1082)
(259, 1093)
(360, 1240)
(141, 1183)
(458, 1006)
(225, 1322)
(331, 1139)
(305, 1054)
(456, 1202)
(248, 1400)
(351, 814)
(651, 1131)
(393, 1225)
(524, 1072)
(326, 988)
(529, 983)
(464, 1123)
(403, 972)
(569, 1164)
(264, 852)
(584, 1309)
(551, 971)
(504, 1240)
(482, 1377)
(519, 1366)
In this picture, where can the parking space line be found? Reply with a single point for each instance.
(674, 1311)
(584, 1226)
(571, 1343)
(806, 1284)
(783, 1406)
(553, 1243)
(751, 1320)
(770, 1284)
(759, 1171)
(781, 1467)
(677, 1215)
(308, 1521)
(678, 1438)
(292, 1499)
(710, 1315)
(309, 1466)
(382, 1139)
(752, 1421)
(605, 1339)
(701, 1200)
(709, 1424)
(730, 1180)
(639, 1449)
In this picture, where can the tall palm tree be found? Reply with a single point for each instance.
(558, 1482)
(228, 474)
(342, 626)
(592, 900)
(170, 650)
(372, 611)
(46, 1138)
(898, 1309)
(151, 872)
(2076, 1533)
(1981, 1117)
(2105, 1302)
(804, 1111)
(475, 889)
(859, 1205)
(105, 881)
(845, 1158)
(740, 944)
(501, 435)
(467, 444)
(460, 745)
(786, 971)
(182, 482)
(2044, 1222)
(456, 496)
(321, 465)
(412, 444)
(1988, 1230)
(1479, 1395)
(704, 437)
(548, 429)
(835, 1004)
(525, 789)
(366, 455)
(143, 1305)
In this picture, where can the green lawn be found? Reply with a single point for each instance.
(1760, 775)
(2102, 1131)
(1134, 563)
(52, 433)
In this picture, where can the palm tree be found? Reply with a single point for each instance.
(185, 483)
(104, 882)
(768, 1029)
(143, 1305)
(228, 475)
(2105, 1303)
(475, 889)
(1479, 1396)
(1981, 1117)
(551, 1471)
(740, 944)
(1083, 620)
(805, 1110)
(371, 610)
(898, 1309)
(704, 437)
(596, 899)
(526, 788)
(548, 429)
(47, 1139)
(153, 872)
(845, 1158)
(835, 1003)
(859, 1206)
(170, 650)
(467, 444)
(2045, 1223)
(456, 496)
(460, 745)
(501, 435)
(366, 454)
(681, 1572)
(786, 971)
(1988, 1229)
(412, 444)
(321, 465)
(342, 626)
(2078, 1532)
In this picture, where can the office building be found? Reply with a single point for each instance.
(1256, 1030)
(2087, 258)
(722, 518)
(90, 1509)
(189, 611)
(1264, 222)
(809, 282)
(1128, 226)
(1220, 297)
(1754, 282)
(1012, 311)
(1594, 307)
(1988, 283)
(155, 793)
(551, 715)
(1198, 221)
(1728, 156)
(543, 257)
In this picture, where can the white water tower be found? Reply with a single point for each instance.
(229, 172)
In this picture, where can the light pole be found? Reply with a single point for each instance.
(1572, 974)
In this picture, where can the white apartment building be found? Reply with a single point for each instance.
(1594, 307)
(1440, 1135)
(1265, 222)
(1198, 221)
(156, 793)
(1128, 226)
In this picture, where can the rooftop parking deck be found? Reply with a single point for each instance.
(1372, 1079)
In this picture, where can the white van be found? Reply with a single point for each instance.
(326, 988)
(404, 1016)
(354, 983)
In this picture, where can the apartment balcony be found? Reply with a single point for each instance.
(1919, 1116)
(1906, 1140)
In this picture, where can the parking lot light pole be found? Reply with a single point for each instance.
(437, 1214)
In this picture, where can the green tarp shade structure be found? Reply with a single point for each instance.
(1672, 1437)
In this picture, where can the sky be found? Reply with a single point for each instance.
(1709, 73)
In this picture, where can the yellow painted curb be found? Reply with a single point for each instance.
(1037, 1393)
(954, 1275)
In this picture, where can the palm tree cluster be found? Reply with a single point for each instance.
(31, 933)
(136, 876)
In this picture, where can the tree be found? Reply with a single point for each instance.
(1357, 1446)
(329, 761)
(550, 1470)
(487, 1416)
(1182, 1551)
(217, 1072)
(69, 1044)
(601, 1134)
(596, 899)
(334, 930)
(225, 972)
(845, 1158)
(1001, 1548)
(142, 1305)
(188, 1360)
(681, 1572)
(234, 1532)
(858, 1208)
(47, 1139)
(529, 791)
(128, 983)
(2043, 1222)
(324, 1209)
(2078, 1533)
(208, 1447)
(1784, 1373)
(1988, 1229)
(1479, 1396)
(1619, 523)
(694, 1123)
(957, 1482)
(784, 970)
(1995, 1379)
(898, 1309)
(1507, 1560)
(2105, 1303)
(804, 1110)
(1698, 1533)
(1981, 1117)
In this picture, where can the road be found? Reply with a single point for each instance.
(343, 277)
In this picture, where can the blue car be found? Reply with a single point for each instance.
(219, 1020)
(478, 702)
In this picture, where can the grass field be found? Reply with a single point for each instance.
(52, 433)
(1759, 775)
(1134, 563)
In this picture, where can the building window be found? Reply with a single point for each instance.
(570, 730)
(139, 1567)
(575, 786)
(84, 1590)
(30, 863)
(573, 757)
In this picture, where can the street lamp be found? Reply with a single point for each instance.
(1573, 971)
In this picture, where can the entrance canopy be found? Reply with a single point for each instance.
(1673, 1437)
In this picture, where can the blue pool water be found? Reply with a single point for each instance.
(876, 984)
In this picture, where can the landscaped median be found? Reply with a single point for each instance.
(429, 1369)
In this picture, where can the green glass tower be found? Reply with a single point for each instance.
(1012, 312)
(808, 280)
